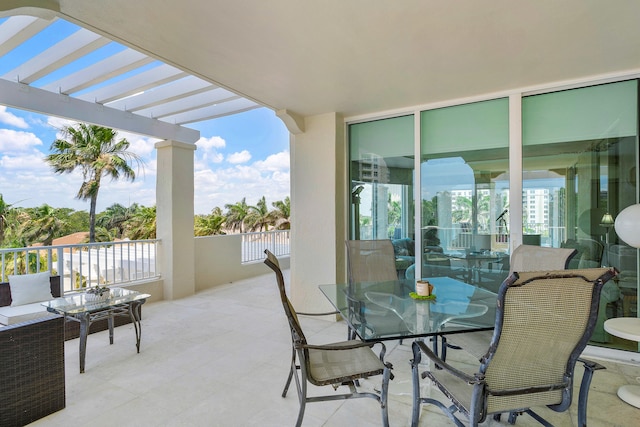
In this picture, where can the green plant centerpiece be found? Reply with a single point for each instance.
(97, 293)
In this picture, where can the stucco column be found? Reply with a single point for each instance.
(318, 194)
(174, 217)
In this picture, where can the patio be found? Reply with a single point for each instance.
(220, 358)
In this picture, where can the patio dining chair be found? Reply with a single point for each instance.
(524, 258)
(368, 261)
(336, 364)
(544, 320)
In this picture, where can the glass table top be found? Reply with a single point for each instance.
(77, 303)
(384, 310)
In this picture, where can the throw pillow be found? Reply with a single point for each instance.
(30, 288)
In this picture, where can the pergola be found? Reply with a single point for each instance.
(319, 65)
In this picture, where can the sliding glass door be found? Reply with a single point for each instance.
(464, 191)
(580, 157)
(382, 184)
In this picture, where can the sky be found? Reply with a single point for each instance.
(239, 156)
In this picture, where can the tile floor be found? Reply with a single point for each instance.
(220, 358)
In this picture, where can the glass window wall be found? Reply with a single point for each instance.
(580, 151)
(382, 184)
(464, 192)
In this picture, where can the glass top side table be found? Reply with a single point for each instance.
(76, 307)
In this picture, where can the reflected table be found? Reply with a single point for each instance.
(629, 329)
(386, 311)
(121, 302)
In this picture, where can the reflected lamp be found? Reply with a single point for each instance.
(607, 221)
(627, 225)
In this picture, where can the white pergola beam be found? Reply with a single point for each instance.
(218, 110)
(112, 66)
(62, 53)
(200, 100)
(175, 90)
(25, 97)
(141, 82)
(17, 29)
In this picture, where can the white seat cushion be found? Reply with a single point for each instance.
(10, 315)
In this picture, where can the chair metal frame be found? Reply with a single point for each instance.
(359, 360)
(480, 395)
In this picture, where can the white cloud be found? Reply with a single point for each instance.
(220, 186)
(207, 151)
(59, 123)
(30, 164)
(12, 141)
(240, 157)
(143, 146)
(211, 143)
(11, 119)
(275, 162)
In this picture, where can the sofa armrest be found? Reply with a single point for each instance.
(32, 370)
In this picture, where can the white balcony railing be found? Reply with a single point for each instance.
(85, 264)
(254, 244)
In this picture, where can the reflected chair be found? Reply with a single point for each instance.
(369, 261)
(543, 323)
(336, 364)
(523, 259)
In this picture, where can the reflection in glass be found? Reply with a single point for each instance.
(579, 172)
(382, 183)
(464, 193)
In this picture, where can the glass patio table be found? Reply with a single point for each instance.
(385, 310)
(121, 302)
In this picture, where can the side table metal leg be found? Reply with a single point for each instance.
(134, 313)
(84, 331)
(110, 323)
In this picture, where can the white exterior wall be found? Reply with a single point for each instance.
(218, 260)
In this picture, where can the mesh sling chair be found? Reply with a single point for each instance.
(368, 261)
(523, 258)
(341, 363)
(543, 322)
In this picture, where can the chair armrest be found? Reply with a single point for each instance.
(300, 313)
(590, 365)
(421, 346)
(347, 345)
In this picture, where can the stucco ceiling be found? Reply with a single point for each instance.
(361, 56)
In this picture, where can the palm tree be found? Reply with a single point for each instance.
(5, 208)
(43, 225)
(207, 225)
(281, 216)
(95, 150)
(115, 217)
(258, 216)
(236, 214)
(142, 224)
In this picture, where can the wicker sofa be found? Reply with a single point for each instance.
(71, 329)
(32, 370)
